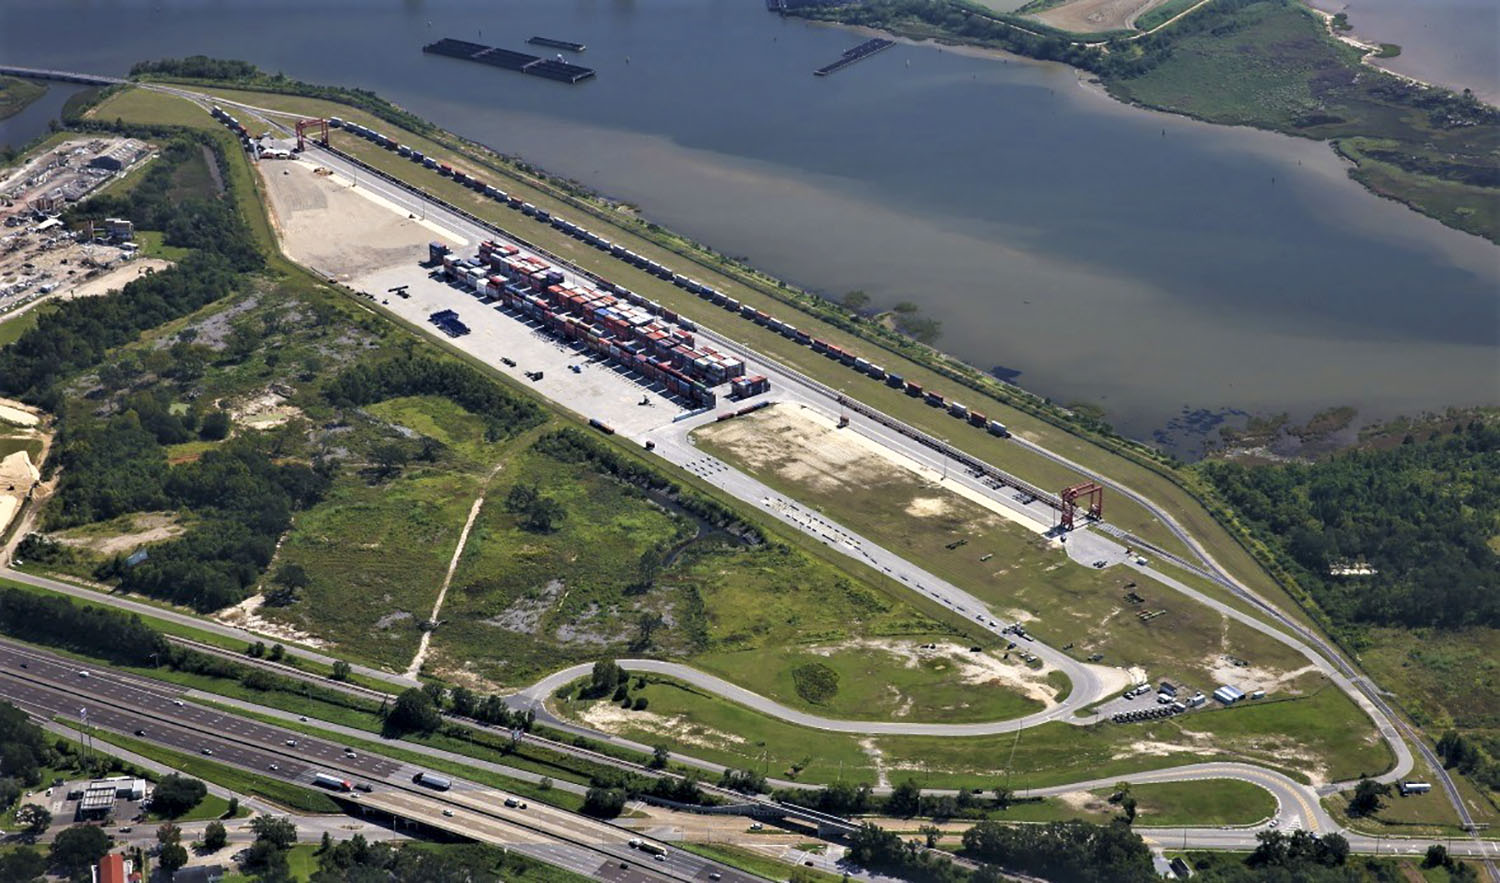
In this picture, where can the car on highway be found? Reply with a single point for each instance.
(292, 743)
(273, 766)
(177, 702)
(448, 813)
(83, 674)
(364, 786)
(206, 751)
(715, 875)
(140, 732)
(661, 858)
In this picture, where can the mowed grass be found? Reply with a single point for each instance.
(1159, 804)
(11, 329)
(1017, 572)
(876, 684)
(1315, 737)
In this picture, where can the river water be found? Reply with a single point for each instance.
(32, 122)
(1145, 263)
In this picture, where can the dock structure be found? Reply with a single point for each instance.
(858, 53)
(557, 44)
(505, 59)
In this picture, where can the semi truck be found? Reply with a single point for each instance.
(331, 782)
(433, 781)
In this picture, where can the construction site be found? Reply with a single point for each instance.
(69, 172)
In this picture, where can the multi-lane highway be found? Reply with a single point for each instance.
(47, 686)
(1090, 683)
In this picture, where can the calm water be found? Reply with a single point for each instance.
(1138, 261)
(32, 122)
(1452, 42)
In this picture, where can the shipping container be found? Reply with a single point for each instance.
(976, 419)
(995, 427)
(895, 381)
(932, 398)
(433, 781)
(958, 410)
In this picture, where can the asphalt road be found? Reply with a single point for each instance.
(1087, 687)
(47, 685)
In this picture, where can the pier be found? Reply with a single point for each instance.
(505, 59)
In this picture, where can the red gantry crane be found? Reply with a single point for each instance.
(1070, 495)
(304, 125)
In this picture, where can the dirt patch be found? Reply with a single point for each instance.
(146, 527)
(17, 477)
(806, 447)
(928, 507)
(1250, 678)
(330, 223)
(1158, 749)
(246, 615)
(524, 615)
(17, 413)
(877, 760)
(1083, 801)
(391, 619)
(971, 668)
(1093, 16)
(611, 718)
(265, 411)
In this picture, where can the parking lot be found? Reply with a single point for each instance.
(595, 389)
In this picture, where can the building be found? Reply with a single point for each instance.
(1229, 695)
(199, 874)
(125, 787)
(119, 229)
(98, 802)
(114, 868)
(120, 156)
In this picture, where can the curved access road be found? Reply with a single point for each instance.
(537, 693)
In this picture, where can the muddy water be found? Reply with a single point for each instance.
(1142, 262)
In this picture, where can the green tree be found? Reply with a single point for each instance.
(78, 847)
(905, 800)
(1367, 797)
(277, 653)
(856, 300)
(234, 808)
(279, 833)
(659, 757)
(341, 670)
(172, 857)
(22, 864)
(413, 712)
(604, 803)
(168, 833)
(215, 836)
(290, 579)
(35, 818)
(176, 795)
(215, 426)
(604, 678)
(931, 834)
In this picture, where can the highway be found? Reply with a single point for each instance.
(1091, 683)
(47, 686)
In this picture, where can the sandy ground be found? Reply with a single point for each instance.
(246, 615)
(329, 223)
(1089, 16)
(611, 718)
(115, 279)
(148, 527)
(802, 445)
(10, 413)
(17, 476)
(265, 411)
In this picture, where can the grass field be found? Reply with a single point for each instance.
(1163, 804)
(1017, 572)
(16, 93)
(1321, 736)
(757, 864)
(11, 329)
(880, 681)
(1163, 13)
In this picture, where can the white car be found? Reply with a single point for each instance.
(448, 813)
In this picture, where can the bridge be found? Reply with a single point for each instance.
(40, 73)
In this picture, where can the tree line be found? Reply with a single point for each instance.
(365, 384)
(1420, 515)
